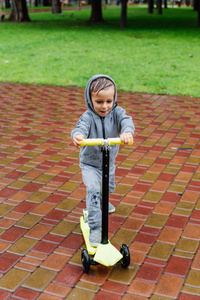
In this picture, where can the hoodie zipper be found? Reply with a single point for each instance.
(103, 127)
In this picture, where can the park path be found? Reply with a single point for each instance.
(157, 198)
(64, 8)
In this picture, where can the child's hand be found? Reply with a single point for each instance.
(126, 137)
(78, 139)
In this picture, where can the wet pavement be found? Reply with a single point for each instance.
(42, 196)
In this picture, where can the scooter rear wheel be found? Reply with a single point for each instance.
(126, 255)
(85, 260)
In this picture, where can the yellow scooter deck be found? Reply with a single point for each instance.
(106, 254)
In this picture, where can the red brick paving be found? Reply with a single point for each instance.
(157, 198)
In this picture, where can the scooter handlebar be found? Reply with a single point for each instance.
(101, 142)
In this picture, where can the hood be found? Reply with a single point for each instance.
(87, 91)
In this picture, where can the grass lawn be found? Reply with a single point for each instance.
(155, 54)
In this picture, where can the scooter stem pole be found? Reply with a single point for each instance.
(105, 193)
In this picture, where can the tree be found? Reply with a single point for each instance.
(19, 11)
(159, 7)
(7, 4)
(123, 21)
(96, 13)
(150, 6)
(56, 7)
(195, 4)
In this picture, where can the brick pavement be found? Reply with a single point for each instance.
(157, 199)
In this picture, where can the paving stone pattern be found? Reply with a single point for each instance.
(157, 198)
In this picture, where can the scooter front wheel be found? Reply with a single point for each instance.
(126, 255)
(85, 260)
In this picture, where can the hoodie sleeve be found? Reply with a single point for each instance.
(82, 126)
(125, 122)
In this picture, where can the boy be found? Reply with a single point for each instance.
(103, 119)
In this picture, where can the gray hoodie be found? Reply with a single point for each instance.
(91, 125)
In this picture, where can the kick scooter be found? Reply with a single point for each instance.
(105, 254)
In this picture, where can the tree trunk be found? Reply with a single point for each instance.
(165, 3)
(19, 11)
(123, 21)
(56, 7)
(150, 6)
(96, 13)
(159, 7)
(196, 5)
(7, 4)
(45, 3)
(198, 23)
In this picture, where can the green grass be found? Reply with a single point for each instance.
(155, 54)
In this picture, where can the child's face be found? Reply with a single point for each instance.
(103, 101)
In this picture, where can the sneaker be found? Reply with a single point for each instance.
(111, 208)
(95, 237)
(85, 215)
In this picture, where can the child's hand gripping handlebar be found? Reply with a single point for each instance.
(101, 142)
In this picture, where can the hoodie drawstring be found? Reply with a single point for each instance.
(103, 127)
